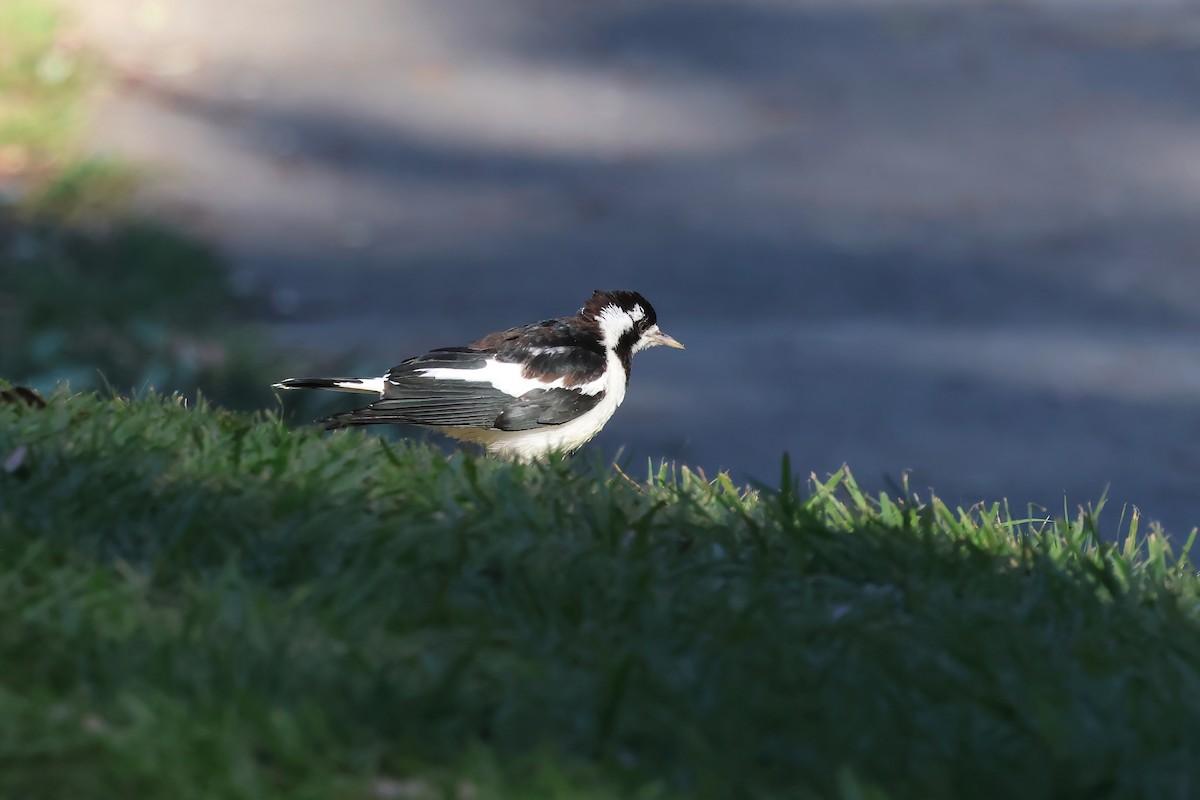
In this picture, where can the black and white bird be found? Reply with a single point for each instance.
(522, 393)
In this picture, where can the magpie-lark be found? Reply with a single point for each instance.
(520, 393)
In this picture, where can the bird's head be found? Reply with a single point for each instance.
(626, 321)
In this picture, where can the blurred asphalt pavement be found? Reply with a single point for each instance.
(958, 238)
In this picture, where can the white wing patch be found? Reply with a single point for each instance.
(364, 385)
(507, 378)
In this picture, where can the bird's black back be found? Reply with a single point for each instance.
(569, 347)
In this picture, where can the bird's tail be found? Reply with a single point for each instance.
(358, 385)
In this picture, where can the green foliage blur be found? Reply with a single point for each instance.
(89, 294)
(44, 73)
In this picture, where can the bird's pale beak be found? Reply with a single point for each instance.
(670, 341)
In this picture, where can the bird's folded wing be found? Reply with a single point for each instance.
(469, 404)
(546, 407)
(463, 404)
(552, 349)
(544, 358)
(468, 388)
(463, 358)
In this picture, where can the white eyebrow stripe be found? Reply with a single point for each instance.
(614, 322)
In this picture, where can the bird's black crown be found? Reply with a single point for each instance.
(624, 300)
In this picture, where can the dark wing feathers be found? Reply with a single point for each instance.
(545, 407)
(551, 349)
(555, 348)
(445, 358)
(412, 399)
(575, 365)
(474, 406)
(453, 415)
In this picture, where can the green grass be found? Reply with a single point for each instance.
(206, 604)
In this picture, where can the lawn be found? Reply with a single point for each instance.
(203, 603)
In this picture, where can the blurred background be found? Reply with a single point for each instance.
(951, 238)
